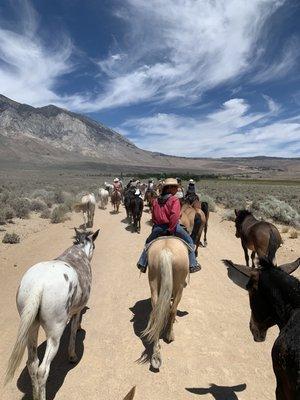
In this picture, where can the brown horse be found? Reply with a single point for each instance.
(116, 198)
(255, 235)
(168, 265)
(150, 195)
(195, 220)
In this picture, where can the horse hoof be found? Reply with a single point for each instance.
(73, 359)
(156, 361)
(205, 243)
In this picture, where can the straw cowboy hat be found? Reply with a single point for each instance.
(170, 182)
(116, 180)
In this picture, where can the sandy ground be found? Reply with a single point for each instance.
(213, 356)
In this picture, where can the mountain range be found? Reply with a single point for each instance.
(54, 136)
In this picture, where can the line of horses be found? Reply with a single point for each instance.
(55, 292)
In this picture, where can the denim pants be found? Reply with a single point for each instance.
(157, 230)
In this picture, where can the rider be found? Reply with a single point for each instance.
(117, 185)
(191, 194)
(165, 217)
(150, 186)
(180, 191)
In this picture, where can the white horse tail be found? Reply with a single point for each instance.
(28, 317)
(160, 313)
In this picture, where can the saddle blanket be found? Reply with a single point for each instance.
(190, 248)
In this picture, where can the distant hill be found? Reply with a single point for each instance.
(54, 136)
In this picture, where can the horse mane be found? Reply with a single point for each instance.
(242, 214)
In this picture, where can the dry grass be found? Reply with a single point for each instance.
(293, 233)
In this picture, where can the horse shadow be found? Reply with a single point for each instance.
(141, 313)
(219, 392)
(60, 365)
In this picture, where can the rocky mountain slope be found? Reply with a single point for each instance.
(52, 135)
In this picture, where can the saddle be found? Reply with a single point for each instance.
(190, 248)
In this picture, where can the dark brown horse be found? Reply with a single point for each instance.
(203, 205)
(255, 235)
(275, 300)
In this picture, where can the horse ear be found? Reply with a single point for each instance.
(95, 235)
(236, 211)
(130, 395)
(239, 274)
(290, 267)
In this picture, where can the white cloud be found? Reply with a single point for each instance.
(29, 69)
(180, 49)
(231, 131)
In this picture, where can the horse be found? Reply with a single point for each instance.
(116, 198)
(150, 195)
(103, 197)
(87, 206)
(136, 210)
(128, 196)
(275, 300)
(130, 395)
(52, 293)
(255, 235)
(168, 264)
(109, 187)
(194, 221)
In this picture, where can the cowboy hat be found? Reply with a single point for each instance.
(170, 182)
(137, 192)
(191, 181)
(116, 180)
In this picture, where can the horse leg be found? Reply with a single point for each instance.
(74, 328)
(246, 253)
(205, 233)
(33, 360)
(53, 340)
(252, 258)
(170, 332)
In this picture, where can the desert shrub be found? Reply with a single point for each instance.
(2, 217)
(69, 203)
(21, 207)
(37, 205)
(45, 214)
(59, 214)
(209, 200)
(285, 229)
(228, 215)
(279, 211)
(11, 238)
(59, 197)
(293, 233)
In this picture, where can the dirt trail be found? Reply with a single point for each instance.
(213, 344)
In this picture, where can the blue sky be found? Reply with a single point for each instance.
(185, 77)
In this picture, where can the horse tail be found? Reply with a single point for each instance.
(28, 317)
(196, 227)
(274, 243)
(204, 208)
(160, 313)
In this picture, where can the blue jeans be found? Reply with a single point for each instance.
(157, 230)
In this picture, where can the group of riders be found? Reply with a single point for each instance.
(166, 209)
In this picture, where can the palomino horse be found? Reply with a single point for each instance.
(256, 235)
(195, 220)
(275, 300)
(168, 264)
(116, 198)
(50, 294)
(87, 206)
(103, 198)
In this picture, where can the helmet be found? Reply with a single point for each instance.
(192, 181)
